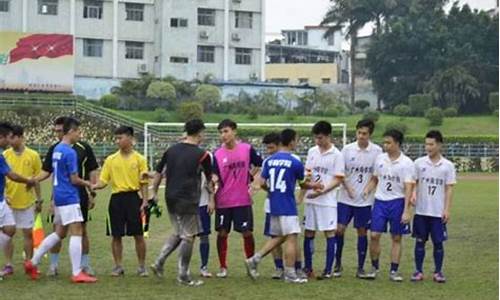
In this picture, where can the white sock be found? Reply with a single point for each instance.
(47, 244)
(75, 253)
(4, 239)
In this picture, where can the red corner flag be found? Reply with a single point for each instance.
(37, 45)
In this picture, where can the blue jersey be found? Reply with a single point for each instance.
(64, 164)
(4, 169)
(282, 170)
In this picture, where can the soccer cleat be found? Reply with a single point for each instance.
(222, 273)
(157, 270)
(395, 276)
(361, 274)
(300, 273)
(117, 271)
(188, 281)
(52, 271)
(205, 273)
(7, 270)
(294, 279)
(337, 271)
(324, 276)
(251, 267)
(83, 278)
(89, 271)
(31, 270)
(417, 276)
(309, 273)
(372, 274)
(278, 274)
(439, 277)
(142, 272)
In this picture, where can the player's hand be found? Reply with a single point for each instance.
(146, 176)
(31, 183)
(446, 216)
(91, 202)
(211, 207)
(144, 205)
(38, 206)
(405, 218)
(365, 195)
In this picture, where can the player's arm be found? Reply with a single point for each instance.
(30, 182)
(207, 166)
(409, 186)
(46, 166)
(256, 163)
(143, 182)
(370, 186)
(76, 180)
(448, 195)
(336, 182)
(160, 171)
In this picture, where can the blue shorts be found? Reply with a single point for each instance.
(204, 220)
(423, 226)
(389, 212)
(362, 215)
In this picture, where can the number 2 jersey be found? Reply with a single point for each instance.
(64, 164)
(392, 176)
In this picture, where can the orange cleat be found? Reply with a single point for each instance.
(31, 270)
(83, 278)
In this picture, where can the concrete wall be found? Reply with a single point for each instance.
(314, 72)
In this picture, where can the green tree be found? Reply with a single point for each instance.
(190, 110)
(209, 95)
(162, 91)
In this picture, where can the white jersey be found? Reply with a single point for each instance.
(431, 182)
(392, 176)
(359, 165)
(325, 167)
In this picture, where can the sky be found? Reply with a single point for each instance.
(295, 14)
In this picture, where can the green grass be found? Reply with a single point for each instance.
(468, 125)
(471, 263)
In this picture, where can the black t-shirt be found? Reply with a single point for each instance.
(182, 164)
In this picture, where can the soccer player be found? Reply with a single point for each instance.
(181, 164)
(359, 160)
(206, 209)
(67, 210)
(279, 175)
(26, 162)
(393, 178)
(436, 177)
(235, 163)
(125, 171)
(326, 163)
(87, 170)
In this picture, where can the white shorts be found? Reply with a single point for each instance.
(284, 225)
(6, 216)
(67, 214)
(24, 217)
(320, 218)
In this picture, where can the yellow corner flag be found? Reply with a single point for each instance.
(38, 233)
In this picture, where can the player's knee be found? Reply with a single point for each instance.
(362, 232)
(396, 238)
(309, 234)
(247, 234)
(438, 246)
(187, 239)
(204, 239)
(222, 233)
(9, 230)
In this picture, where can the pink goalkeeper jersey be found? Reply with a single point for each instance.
(233, 169)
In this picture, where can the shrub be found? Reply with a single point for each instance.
(190, 110)
(161, 90)
(332, 112)
(362, 104)
(401, 110)
(372, 115)
(493, 101)
(435, 116)
(290, 115)
(110, 101)
(419, 103)
(450, 112)
(398, 125)
(160, 115)
(252, 114)
(209, 95)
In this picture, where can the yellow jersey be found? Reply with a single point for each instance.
(27, 164)
(123, 173)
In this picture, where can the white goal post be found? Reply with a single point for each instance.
(177, 129)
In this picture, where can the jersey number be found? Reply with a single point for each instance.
(360, 178)
(431, 189)
(54, 167)
(388, 187)
(277, 183)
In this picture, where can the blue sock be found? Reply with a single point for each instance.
(54, 259)
(298, 265)
(330, 254)
(394, 267)
(278, 263)
(362, 248)
(419, 256)
(375, 263)
(204, 251)
(308, 252)
(438, 256)
(85, 260)
(338, 253)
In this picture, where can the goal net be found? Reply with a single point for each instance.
(159, 136)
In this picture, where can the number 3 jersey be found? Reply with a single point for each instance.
(392, 176)
(64, 164)
(431, 182)
(281, 172)
(359, 167)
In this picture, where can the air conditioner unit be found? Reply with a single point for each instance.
(235, 37)
(236, 1)
(142, 68)
(203, 34)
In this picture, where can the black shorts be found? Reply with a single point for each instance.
(84, 203)
(241, 217)
(125, 214)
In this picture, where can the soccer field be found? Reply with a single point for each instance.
(471, 262)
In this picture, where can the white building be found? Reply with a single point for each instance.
(313, 37)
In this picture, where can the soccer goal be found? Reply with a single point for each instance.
(159, 136)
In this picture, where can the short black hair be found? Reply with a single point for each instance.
(436, 135)
(17, 130)
(60, 120)
(366, 123)
(227, 123)
(396, 135)
(194, 126)
(70, 123)
(287, 136)
(5, 128)
(322, 127)
(127, 130)
(271, 138)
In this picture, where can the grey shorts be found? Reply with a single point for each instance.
(185, 225)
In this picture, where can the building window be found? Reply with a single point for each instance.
(331, 39)
(134, 50)
(92, 9)
(4, 5)
(243, 19)
(279, 80)
(135, 11)
(178, 22)
(296, 38)
(47, 7)
(206, 17)
(325, 80)
(92, 48)
(206, 54)
(243, 56)
(303, 80)
(178, 59)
